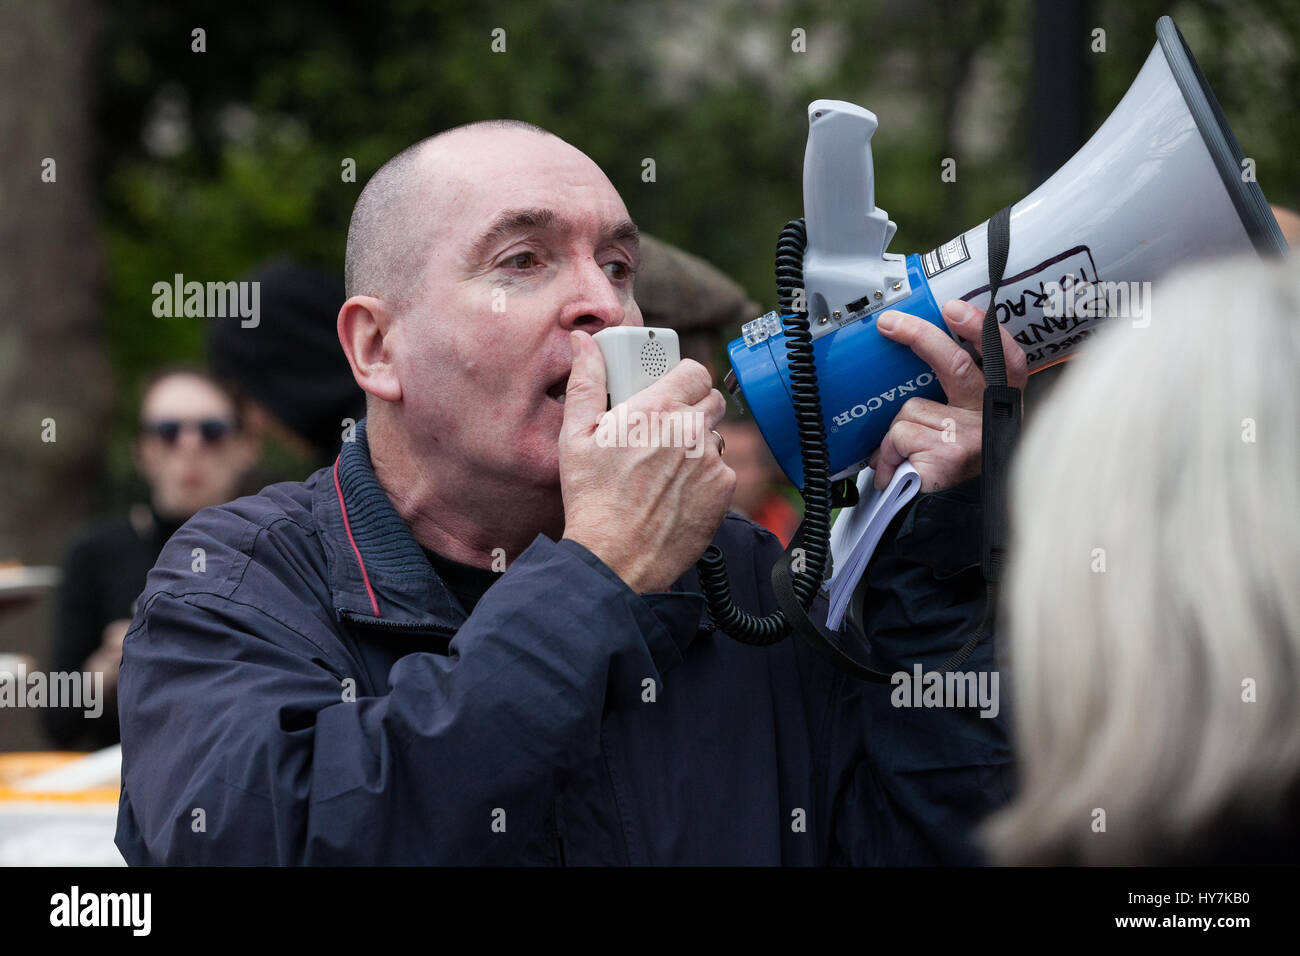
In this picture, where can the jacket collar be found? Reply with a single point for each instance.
(378, 573)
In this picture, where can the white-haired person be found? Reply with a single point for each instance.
(1153, 599)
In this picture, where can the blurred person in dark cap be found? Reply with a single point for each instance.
(192, 450)
(690, 296)
(297, 384)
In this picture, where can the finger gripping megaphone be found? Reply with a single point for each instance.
(1161, 183)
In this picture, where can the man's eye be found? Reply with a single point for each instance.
(618, 271)
(521, 261)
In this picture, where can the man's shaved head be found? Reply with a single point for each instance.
(390, 227)
(486, 247)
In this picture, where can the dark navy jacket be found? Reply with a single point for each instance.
(300, 687)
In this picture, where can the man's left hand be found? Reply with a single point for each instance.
(942, 441)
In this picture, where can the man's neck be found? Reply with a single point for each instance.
(460, 515)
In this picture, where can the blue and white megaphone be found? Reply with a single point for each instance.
(1162, 182)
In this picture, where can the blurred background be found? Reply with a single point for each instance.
(170, 160)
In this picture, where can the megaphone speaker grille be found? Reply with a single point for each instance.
(654, 360)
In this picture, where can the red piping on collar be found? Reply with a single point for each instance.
(355, 550)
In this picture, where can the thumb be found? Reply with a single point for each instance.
(584, 399)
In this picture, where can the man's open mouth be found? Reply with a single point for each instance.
(556, 391)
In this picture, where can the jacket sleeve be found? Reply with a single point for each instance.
(79, 620)
(241, 744)
(928, 775)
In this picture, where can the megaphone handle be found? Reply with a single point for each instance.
(839, 190)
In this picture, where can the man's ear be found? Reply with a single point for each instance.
(364, 325)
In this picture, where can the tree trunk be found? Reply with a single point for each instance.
(52, 366)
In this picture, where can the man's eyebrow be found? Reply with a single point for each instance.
(625, 230)
(516, 220)
(512, 221)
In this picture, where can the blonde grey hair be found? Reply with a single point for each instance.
(1153, 595)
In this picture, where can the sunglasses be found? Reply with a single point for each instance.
(213, 431)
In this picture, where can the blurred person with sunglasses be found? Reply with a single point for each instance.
(192, 451)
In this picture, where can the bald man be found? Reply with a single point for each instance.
(478, 637)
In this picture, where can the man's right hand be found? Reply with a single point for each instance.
(647, 512)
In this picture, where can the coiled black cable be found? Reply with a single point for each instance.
(815, 531)
(790, 246)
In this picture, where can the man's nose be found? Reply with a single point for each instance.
(594, 303)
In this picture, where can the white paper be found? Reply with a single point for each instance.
(857, 531)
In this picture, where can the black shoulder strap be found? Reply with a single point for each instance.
(1000, 430)
(1001, 424)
